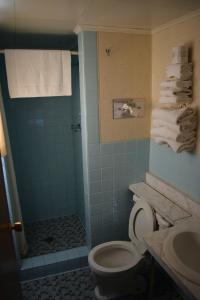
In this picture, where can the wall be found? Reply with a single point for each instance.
(181, 170)
(108, 168)
(42, 146)
(125, 73)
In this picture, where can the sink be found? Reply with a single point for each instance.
(182, 249)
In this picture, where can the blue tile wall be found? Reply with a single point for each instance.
(108, 168)
(182, 170)
(47, 155)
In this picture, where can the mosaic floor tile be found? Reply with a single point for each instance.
(75, 285)
(54, 235)
(78, 285)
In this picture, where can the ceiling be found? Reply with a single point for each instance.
(61, 16)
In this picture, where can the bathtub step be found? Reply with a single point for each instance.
(53, 263)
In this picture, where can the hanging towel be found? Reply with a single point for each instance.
(175, 99)
(189, 146)
(179, 71)
(169, 134)
(174, 116)
(180, 94)
(176, 84)
(186, 126)
(38, 73)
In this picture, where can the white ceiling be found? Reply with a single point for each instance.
(61, 16)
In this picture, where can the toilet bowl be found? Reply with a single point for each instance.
(115, 264)
(113, 257)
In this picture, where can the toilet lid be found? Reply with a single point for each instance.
(142, 222)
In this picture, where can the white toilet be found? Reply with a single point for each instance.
(115, 264)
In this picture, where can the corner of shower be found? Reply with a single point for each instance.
(49, 180)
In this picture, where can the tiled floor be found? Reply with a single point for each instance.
(79, 285)
(75, 285)
(54, 235)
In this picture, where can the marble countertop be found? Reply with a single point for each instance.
(155, 243)
(165, 207)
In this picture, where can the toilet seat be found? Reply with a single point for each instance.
(113, 257)
(141, 222)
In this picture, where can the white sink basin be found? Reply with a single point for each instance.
(182, 251)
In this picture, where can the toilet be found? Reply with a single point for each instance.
(115, 264)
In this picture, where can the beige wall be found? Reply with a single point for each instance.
(185, 33)
(126, 73)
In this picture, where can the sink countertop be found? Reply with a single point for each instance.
(155, 243)
(165, 207)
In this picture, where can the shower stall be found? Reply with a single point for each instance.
(46, 146)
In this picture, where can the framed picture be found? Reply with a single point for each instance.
(128, 108)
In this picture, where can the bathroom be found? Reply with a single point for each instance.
(113, 153)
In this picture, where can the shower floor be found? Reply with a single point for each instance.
(54, 235)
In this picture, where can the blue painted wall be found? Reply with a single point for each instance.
(108, 168)
(182, 170)
(43, 145)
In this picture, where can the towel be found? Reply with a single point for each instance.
(169, 134)
(175, 99)
(174, 116)
(176, 146)
(179, 55)
(179, 71)
(176, 84)
(38, 73)
(186, 126)
(179, 94)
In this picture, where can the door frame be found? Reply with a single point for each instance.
(10, 182)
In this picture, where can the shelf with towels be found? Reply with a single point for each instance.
(174, 121)
(177, 88)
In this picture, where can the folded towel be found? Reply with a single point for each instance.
(176, 146)
(166, 133)
(179, 71)
(176, 84)
(187, 126)
(179, 55)
(180, 94)
(174, 116)
(175, 99)
(38, 73)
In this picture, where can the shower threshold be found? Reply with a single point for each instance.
(54, 235)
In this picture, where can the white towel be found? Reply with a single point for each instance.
(174, 116)
(187, 126)
(179, 71)
(166, 133)
(38, 73)
(176, 84)
(175, 99)
(176, 146)
(180, 94)
(179, 55)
